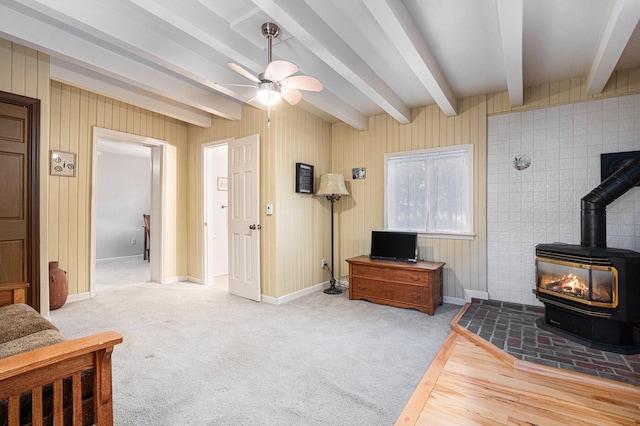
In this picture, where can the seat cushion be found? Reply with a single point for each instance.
(28, 343)
(20, 320)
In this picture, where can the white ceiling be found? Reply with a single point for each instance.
(373, 56)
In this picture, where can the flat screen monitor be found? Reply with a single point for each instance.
(390, 245)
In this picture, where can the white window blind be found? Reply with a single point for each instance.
(430, 191)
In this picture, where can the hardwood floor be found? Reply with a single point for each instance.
(471, 382)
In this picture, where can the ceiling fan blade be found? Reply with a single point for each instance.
(237, 85)
(302, 82)
(292, 96)
(237, 68)
(277, 70)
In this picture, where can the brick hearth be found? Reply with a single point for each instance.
(512, 328)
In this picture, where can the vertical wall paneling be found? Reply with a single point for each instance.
(466, 260)
(295, 238)
(365, 210)
(69, 113)
(74, 113)
(6, 53)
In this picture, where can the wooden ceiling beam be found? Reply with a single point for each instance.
(396, 22)
(510, 14)
(82, 78)
(54, 41)
(620, 27)
(304, 24)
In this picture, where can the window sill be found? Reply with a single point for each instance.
(456, 236)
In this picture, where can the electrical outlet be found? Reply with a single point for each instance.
(324, 263)
(133, 241)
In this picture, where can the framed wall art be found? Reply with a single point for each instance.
(223, 184)
(304, 178)
(359, 173)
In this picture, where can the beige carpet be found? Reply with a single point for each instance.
(122, 271)
(195, 355)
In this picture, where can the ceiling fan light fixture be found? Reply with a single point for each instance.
(269, 93)
(278, 80)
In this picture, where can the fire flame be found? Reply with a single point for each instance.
(571, 285)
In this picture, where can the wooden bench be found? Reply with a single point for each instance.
(29, 372)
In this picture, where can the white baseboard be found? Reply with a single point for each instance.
(453, 300)
(469, 294)
(194, 280)
(292, 296)
(109, 259)
(78, 297)
(173, 280)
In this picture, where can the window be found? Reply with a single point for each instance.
(430, 191)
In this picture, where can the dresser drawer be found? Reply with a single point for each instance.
(380, 290)
(403, 285)
(391, 274)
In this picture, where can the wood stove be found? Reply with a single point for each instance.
(591, 293)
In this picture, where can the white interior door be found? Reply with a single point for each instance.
(244, 217)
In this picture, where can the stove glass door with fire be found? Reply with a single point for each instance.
(593, 285)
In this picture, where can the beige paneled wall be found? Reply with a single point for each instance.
(293, 240)
(296, 237)
(74, 113)
(362, 212)
(302, 220)
(25, 72)
(623, 82)
(253, 122)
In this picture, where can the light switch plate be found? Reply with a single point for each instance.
(269, 209)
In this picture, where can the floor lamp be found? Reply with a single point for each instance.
(332, 187)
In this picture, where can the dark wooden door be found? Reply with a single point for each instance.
(19, 174)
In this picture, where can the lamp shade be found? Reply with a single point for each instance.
(332, 184)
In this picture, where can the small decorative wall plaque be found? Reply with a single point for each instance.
(359, 172)
(521, 162)
(63, 163)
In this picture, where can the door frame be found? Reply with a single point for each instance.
(34, 267)
(160, 190)
(206, 181)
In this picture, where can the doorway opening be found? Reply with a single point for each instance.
(215, 213)
(160, 162)
(123, 199)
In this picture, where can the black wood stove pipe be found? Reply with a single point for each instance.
(593, 219)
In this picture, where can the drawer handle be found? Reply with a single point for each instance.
(362, 271)
(362, 287)
(416, 296)
(415, 278)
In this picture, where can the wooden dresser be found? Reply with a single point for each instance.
(400, 284)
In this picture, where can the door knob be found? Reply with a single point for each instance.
(252, 227)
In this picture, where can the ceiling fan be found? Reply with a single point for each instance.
(277, 81)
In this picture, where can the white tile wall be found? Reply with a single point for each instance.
(541, 204)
